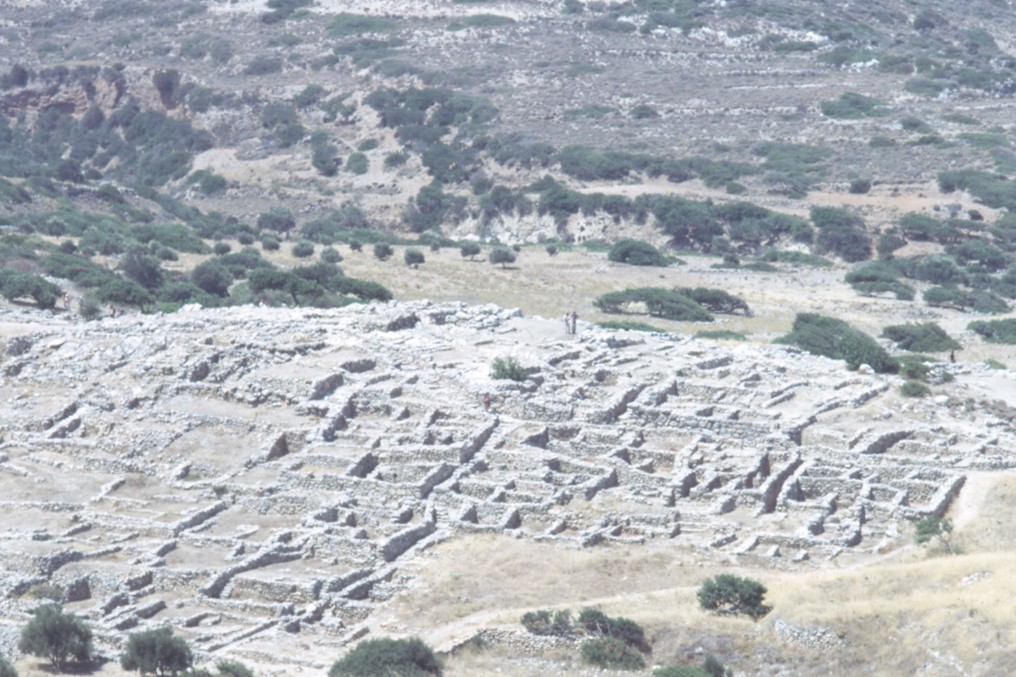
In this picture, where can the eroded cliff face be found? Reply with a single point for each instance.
(261, 478)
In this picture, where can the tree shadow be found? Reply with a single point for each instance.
(73, 668)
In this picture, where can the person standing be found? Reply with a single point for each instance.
(574, 321)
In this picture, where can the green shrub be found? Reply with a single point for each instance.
(413, 257)
(331, 255)
(643, 112)
(231, 668)
(920, 338)
(382, 657)
(729, 594)
(346, 24)
(914, 389)
(834, 338)
(636, 253)
(508, 368)
(976, 300)
(6, 669)
(598, 623)
(841, 233)
(220, 248)
(383, 251)
(502, 256)
(17, 285)
(56, 636)
(611, 653)
(263, 65)
(860, 186)
(357, 163)
(212, 277)
(851, 106)
(156, 652)
(995, 331)
(278, 219)
(934, 528)
(303, 249)
(396, 159)
(542, 622)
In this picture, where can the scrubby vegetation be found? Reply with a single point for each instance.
(383, 656)
(729, 594)
(834, 338)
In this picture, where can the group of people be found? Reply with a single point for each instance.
(571, 322)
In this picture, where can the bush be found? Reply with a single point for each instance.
(834, 338)
(331, 255)
(636, 253)
(920, 338)
(643, 112)
(934, 528)
(156, 652)
(220, 248)
(851, 106)
(17, 285)
(860, 186)
(914, 389)
(508, 368)
(382, 657)
(542, 622)
(212, 277)
(263, 65)
(413, 257)
(57, 636)
(995, 331)
(598, 623)
(231, 668)
(729, 594)
(279, 219)
(6, 669)
(469, 250)
(502, 256)
(270, 244)
(303, 249)
(383, 251)
(357, 163)
(611, 653)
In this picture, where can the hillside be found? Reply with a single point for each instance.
(274, 484)
(258, 256)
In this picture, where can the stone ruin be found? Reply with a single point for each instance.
(258, 478)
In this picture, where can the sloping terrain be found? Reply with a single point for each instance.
(273, 483)
(267, 453)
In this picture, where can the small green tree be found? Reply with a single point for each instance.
(729, 594)
(502, 256)
(388, 657)
(611, 653)
(156, 652)
(231, 668)
(383, 251)
(508, 368)
(303, 249)
(934, 528)
(469, 250)
(57, 636)
(6, 669)
(413, 257)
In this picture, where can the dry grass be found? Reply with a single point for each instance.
(916, 611)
